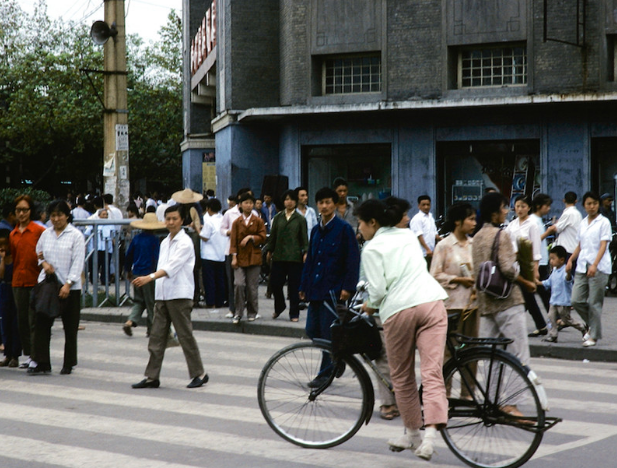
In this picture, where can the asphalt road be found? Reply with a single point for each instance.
(93, 418)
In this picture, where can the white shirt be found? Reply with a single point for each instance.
(397, 274)
(311, 218)
(567, 228)
(228, 219)
(543, 242)
(424, 225)
(214, 248)
(65, 253)
(160, 211)
(589, 238)
(528, 229)
(105, 232)
(114, 212)
(177, 258)
(80, 213)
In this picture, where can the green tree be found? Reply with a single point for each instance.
(51, 118)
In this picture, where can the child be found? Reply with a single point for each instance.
(8, 313)
(560, 284)
(248, 232)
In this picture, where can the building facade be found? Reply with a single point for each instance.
(406, 97)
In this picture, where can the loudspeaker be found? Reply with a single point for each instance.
(275, 185)
(100, 32)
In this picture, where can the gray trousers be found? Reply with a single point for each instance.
(588, 299)
(178, 312)
(25, 318)
(143, 299)
(246, 281)
(509, 323)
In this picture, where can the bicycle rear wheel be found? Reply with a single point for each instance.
(321, 421)
(483, 429)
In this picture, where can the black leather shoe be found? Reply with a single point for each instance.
(145, 383)
(39, 370)
(197, 382)
(318, 381)
(66, 370)
(536, 333)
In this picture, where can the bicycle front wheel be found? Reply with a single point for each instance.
(494, 410)
(296, 414)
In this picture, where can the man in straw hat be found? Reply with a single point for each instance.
(173, 303)
(141, 259)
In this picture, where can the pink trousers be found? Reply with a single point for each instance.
(423, 327)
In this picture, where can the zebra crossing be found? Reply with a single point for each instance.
(93, 418)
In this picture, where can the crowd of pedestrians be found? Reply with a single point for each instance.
(216, 258)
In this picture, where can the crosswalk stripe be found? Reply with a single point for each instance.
(182, 436)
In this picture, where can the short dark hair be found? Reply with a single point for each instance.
(560, 251)
(151, 209)
(291, 194)
(5, 233)
(173, 208)
(570, 198)
(592, 195)
(28, 199)
(339, 181)
(421, 198)
(232, 198)
(458, 212)
(214, 204)
(524, 198)
(491, 203)
(378, 210)
(7, 209)
(60, 206)
(242, 191)
(81, 200)
(540, 200)
(108, 198)
(300, 188)
(246, 196)
(132, 208)
(403, 204)
(326, 192)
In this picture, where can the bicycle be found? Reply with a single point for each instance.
(496, 405)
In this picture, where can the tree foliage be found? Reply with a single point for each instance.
(51, 121)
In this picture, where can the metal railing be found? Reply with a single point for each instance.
(116, 292)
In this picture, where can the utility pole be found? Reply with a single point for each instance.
(116, 143)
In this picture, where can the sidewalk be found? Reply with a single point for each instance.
(568, 347)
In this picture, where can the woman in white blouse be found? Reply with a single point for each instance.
(410, 303)
(593, 266)
(60, 250)
(524, 227)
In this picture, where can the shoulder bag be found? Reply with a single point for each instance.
(490, 279)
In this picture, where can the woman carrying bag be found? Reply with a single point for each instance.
(60, 251)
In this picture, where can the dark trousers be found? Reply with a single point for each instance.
(213, 274)
(104, 260)
(229, 275)
(10, 327)
(292, 272)
(25, 318)
(318, 321)
(70, 312)
(530, 300)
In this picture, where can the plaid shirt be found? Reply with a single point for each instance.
(65, 253)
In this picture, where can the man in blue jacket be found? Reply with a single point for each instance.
(332, 267)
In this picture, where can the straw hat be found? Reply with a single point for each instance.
(186, 196)
(149, 222)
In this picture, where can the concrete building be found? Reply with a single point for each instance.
(444, 97)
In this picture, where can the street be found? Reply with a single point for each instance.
(93, 418)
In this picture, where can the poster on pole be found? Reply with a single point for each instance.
(122, 137)
(109, 165)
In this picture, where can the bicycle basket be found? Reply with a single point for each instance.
(355, 334)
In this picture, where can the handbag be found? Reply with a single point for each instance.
(490, 279)
(44, 297)
(172, 337)
(354, 333)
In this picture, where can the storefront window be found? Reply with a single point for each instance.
(367, 169)
(470, 167)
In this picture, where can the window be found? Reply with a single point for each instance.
(492, 66)
(349, 75)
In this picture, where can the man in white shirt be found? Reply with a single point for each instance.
(567, 225)
(213, 246)
(160, 210)
(114, 212)
(424, 227)
(173, 303)
(305, 210)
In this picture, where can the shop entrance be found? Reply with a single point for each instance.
(367, 169)
(468, 168)
(604, 165)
